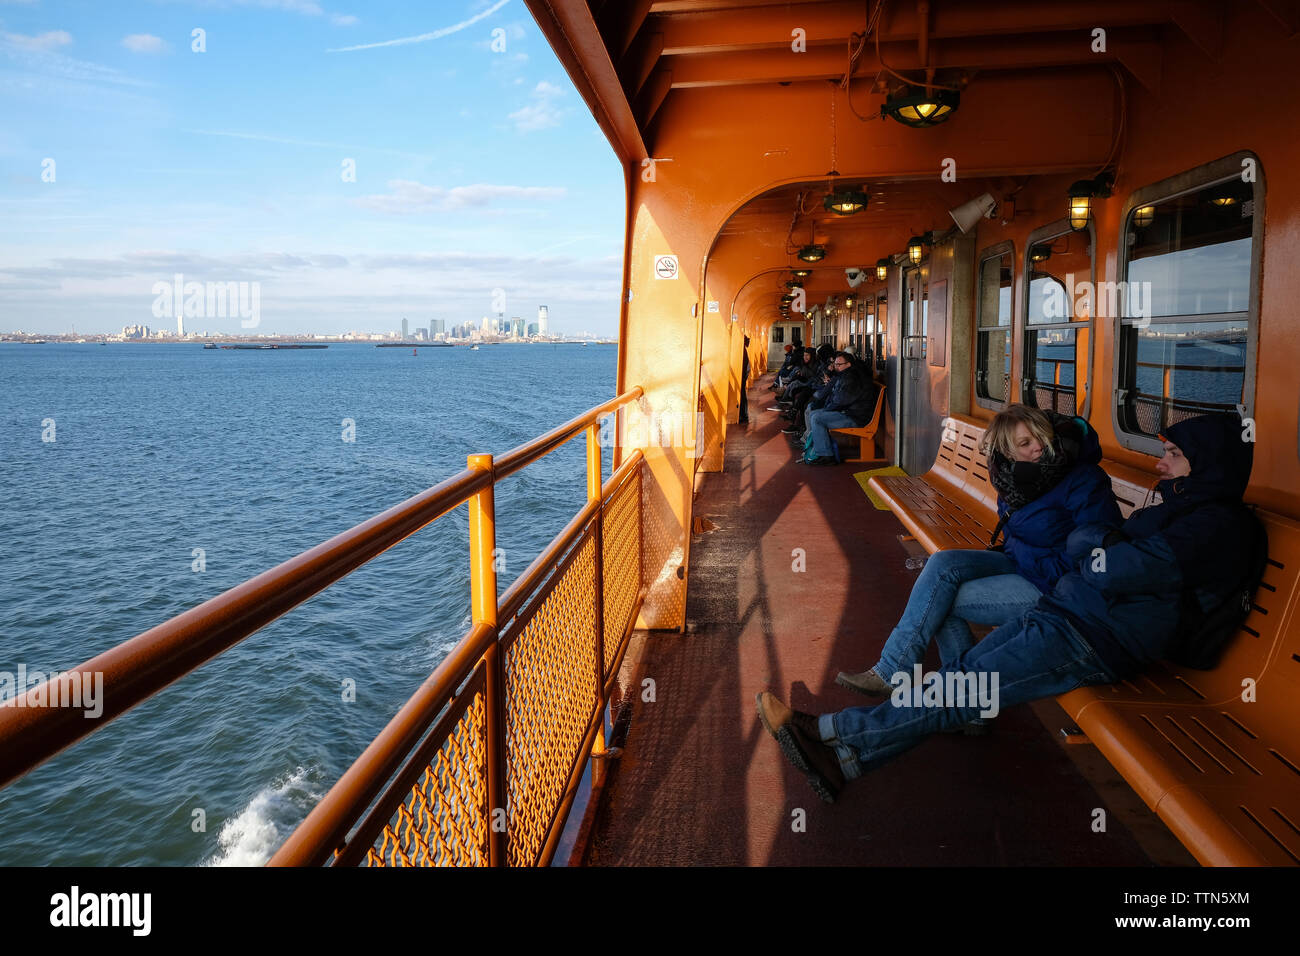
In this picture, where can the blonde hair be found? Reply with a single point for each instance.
(1001, 431)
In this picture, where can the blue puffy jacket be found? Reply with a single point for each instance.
(1125, 598)
(1036, 534)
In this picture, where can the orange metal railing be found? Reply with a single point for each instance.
(481, 765)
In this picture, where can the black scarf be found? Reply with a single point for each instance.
(1020, 482)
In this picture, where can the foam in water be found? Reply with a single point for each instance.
(250, 838)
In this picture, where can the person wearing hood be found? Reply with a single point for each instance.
(1115, 612)
(787, 367)
(1046, 470)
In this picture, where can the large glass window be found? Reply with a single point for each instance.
(993, 342)
(1058, 317)
(1186, 319)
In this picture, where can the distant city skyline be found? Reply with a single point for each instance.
(451, 175)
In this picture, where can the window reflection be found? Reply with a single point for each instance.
(1188, 256)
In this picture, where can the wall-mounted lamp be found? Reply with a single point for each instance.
(1081, 194)
(882, 269)
(916, 249)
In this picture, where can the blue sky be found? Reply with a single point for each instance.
(476, 169)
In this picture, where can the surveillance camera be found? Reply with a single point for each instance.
(855, 275)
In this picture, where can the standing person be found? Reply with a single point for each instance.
(744, 382)
(1046, 470)
(1116, 611)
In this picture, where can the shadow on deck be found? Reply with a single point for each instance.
(700, 781)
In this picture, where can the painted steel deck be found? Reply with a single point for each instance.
(700, 781)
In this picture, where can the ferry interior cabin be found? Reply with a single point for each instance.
(1086, 207)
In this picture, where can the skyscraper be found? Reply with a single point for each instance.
(541, 320)
(180, 326)
(406, 332)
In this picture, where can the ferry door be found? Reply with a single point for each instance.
(918, 434)
(783, 334)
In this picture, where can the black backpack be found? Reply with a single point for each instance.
(1201, 636)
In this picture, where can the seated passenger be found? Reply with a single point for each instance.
(1046, 472)
(849, 404)
(804, 374)
(786, 369)
(1116, 611)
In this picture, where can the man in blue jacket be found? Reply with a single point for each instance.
(850, 403)
(1104, 621)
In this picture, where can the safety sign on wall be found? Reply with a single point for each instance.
(665, 267)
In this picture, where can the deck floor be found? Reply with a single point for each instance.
(700, 782)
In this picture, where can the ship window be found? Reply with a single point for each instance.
(778, 334)
(882, 332)
(993, 342)
(1059, 308)
(1187, 305)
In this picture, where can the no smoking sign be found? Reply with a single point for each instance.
(665, 267)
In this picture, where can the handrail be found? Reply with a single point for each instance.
(142, 666)
(327, 825)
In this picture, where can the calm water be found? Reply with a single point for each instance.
(162, 449)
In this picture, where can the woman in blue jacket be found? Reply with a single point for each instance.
(1046, 472)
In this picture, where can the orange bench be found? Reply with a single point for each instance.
(1216, 754)
(866, 435)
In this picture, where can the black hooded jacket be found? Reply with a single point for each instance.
(1126, 595)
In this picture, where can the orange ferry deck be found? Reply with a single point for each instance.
(701, 782)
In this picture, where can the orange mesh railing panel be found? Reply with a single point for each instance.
(621, 564)
(551, 695)
(444, 819)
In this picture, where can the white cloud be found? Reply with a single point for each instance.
(343, 19)
(409, 196)
(143, 43)
(43, 41)
(542, 111)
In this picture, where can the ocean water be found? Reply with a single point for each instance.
(159, 450)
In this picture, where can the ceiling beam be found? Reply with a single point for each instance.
(770, 28)
(620, 22)
(737, 68)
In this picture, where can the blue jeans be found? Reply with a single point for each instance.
(819, 422)
(955, 587)
(1038, 656)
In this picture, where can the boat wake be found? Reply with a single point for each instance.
(249, 838)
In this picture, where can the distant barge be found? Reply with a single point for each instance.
(260, 347)
(415, 345)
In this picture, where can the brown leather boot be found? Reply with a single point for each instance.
(802, 745)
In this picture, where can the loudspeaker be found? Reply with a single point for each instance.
(969, 213)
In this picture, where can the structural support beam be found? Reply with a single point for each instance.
(759, 66)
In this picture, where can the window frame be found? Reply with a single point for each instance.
(995, 251)
(1049, 233)
(1193, 180)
